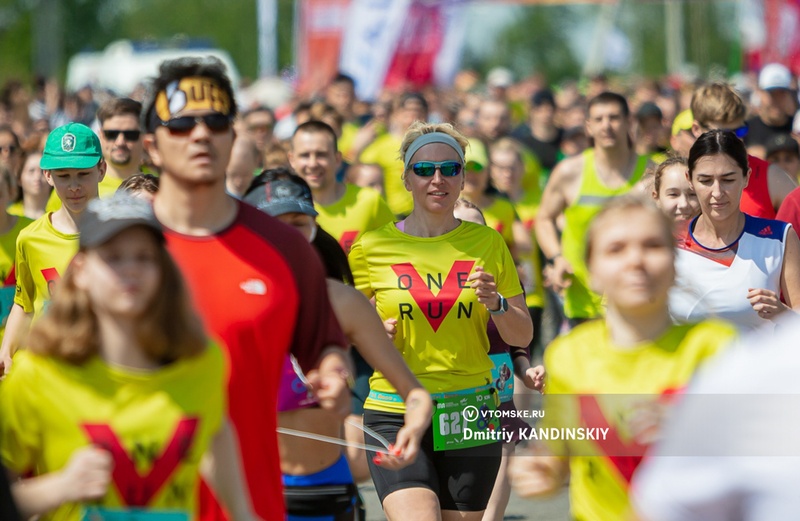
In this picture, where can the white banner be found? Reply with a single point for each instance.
(448, 61)
(370, 39)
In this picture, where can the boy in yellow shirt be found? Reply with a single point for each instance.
(73, 165)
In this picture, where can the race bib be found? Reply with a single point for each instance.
(464, 420)
(91, 513)
(503, 376)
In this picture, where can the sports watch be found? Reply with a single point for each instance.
(503, 306)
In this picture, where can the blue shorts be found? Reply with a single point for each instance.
(327, 495)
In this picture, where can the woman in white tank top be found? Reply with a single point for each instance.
(732, 265)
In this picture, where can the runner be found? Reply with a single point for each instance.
(121, 139)
(105, 412)
(505, 361)
(498, 212)
(506, 168)
(673, 193)
(230, 253)
(73, 165)
(578, 187)
(310, 468)
(634, 352)
(34, 193)
(418, 270)
(345, 210)
(717, 106)
(10, 226)
(730, 264)
(143, 186)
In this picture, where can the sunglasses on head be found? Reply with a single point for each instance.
(128, 135)
(740, 132)
(428, 168)
(215, 122)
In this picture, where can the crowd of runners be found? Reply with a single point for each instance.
(213, 311)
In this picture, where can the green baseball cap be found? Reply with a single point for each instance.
(71, 146)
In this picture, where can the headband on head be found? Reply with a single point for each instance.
(433, 137)
(190, 93)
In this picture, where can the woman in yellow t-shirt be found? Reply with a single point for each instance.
(441, 280)
(10, 226)
(36, 196)
(119, 395)
(612, 377)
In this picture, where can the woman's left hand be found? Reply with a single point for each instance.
(485, 288)
(766, 303)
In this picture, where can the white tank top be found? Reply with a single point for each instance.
(706, 287)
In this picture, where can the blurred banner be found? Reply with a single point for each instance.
(430, 46)
(371, 37)
(319, 28)
(771, 33)
(380, 43)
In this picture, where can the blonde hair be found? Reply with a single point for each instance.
(717, 103)
(419, 128)
(622, 204)
(507, 144)
(167, 331)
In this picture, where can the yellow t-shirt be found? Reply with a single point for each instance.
(421, 282)
(156, 424)
(8, 248)
(53, 204)
(527, 208)
(359, 210)
(385, 151)
(108, 186)
(43, 254)
(611, 381)
(500, 215)
(345, 141)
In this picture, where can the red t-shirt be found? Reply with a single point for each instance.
(755, 199)
(260, 290)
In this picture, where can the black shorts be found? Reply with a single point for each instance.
(462, 479)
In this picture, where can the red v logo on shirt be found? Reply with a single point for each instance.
(624, 456)
(434, 307)
(347, 240)
(11, 279)
(137, 490)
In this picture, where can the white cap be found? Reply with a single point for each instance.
(774, 76)
(500, 77)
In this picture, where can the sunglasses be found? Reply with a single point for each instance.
(740, 132)
(428, 168)
(215, 122)
(128, 135)
(9, 148)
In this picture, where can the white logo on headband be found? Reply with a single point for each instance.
(68, 142)
(121, 207)
(176, 97)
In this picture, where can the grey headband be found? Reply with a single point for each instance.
(433, 137)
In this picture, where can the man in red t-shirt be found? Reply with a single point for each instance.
(256, 282)
(718, 106)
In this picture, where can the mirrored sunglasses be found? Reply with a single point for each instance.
(428, 168)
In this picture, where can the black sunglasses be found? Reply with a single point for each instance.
(129, 135)
(215, 122)
(428, 168)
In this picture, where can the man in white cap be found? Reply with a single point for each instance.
(776, 107)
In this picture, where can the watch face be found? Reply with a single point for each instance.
(503, 304)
